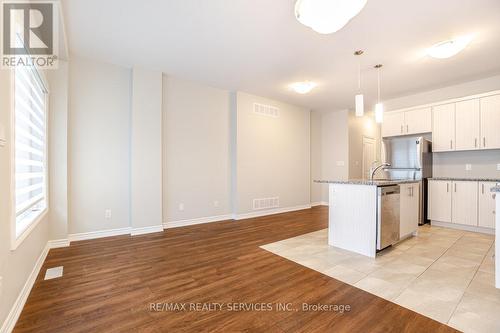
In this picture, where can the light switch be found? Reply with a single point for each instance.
(3, 139)
(340, 163)
(468, 167)
(498, 167)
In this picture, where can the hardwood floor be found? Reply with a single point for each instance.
(109, 284)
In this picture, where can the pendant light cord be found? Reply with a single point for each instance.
(378, 79)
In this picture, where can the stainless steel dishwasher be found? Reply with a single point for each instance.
(387, 216)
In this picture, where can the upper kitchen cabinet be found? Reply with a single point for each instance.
(408, 122)
(490, 122)
(443, 130)
(393, 124)
(418, 121)
(467, 125)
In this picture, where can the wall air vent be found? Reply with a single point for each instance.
(266, 110)
(266, 203)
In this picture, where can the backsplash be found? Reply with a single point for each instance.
(453, 164)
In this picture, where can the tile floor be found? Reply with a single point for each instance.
(444, 274)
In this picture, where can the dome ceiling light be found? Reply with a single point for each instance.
(449, 48)
(327, 16)
(303, 87)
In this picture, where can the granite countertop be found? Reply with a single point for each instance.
(496, 189)
(369, 182)
(467, 179)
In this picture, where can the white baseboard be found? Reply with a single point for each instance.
(99, 234)
(463, 227)
(184, 223)
(55, 244)
(17, 308)
(146, 230)
(269, 212)
(319, 203)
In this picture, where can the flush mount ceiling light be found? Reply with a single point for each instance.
(449, 48)
(379, 107)
(359, 99)
(303, 87)
(327, 16)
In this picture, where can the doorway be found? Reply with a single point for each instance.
(369, 155)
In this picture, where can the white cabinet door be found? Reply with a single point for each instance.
(465, 201)
(443, 127)
(486, 205)
(439, 201)
(467, 125)
(490, 122)
(418, 121)
(409, 209)
(393, 124)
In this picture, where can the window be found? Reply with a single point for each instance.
(30, 120)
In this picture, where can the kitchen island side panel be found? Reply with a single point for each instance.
(353, 218)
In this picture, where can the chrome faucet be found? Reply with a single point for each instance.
(373, 170)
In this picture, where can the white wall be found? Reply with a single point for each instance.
(99, 145)
(146, 149)
(273, 154)
(316, 151)
(16, 265)
(452, 91)
(195, 150)
(58, 151)
(334, 148)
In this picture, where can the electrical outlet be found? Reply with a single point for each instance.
(468, 167)
(107, 214)
(216, 203)
(181, 207)
(340, 163)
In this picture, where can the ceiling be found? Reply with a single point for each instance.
(258, 46)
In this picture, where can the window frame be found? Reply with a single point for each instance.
(17, 239)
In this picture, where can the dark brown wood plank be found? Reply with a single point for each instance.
(109, 283)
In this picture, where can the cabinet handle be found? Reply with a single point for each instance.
(455, 187)
(484, 141)
(475, 143)
(407, 128)
(412, 191)
(451, 144)
(401, 128)
(482, 188)
(447, 187)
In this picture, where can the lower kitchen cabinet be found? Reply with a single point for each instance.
(440, 200)
(486, 205)
(409, 208)
(464, 203)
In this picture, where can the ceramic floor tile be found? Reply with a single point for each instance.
(440, 273)
(475, 314)
(380, 287)
(427, 305)
(344, 274)
(483, 285)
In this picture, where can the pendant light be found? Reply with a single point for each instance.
(359, 99)
(379, 107)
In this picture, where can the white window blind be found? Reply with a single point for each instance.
(30, 147)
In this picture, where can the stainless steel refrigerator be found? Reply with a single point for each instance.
(410, 158)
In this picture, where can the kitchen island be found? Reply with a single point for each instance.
(356, 206)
